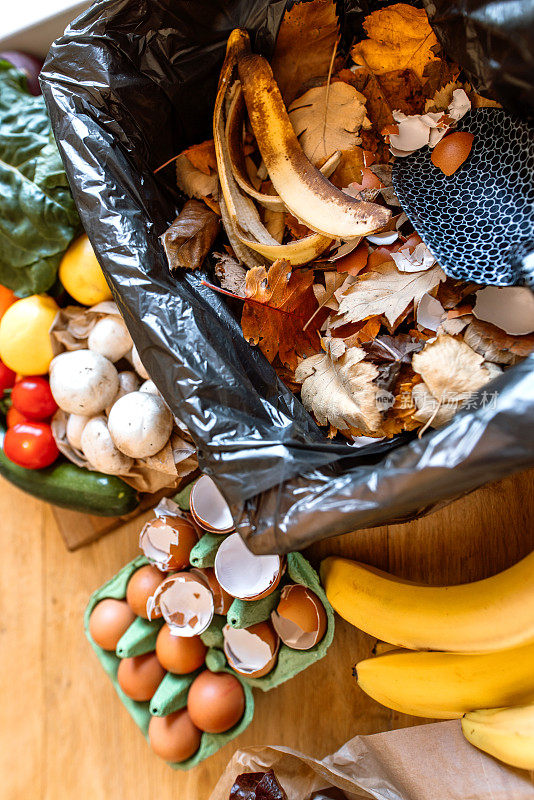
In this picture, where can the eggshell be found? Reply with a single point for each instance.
(300, 618)
(140, 676)
(174, 737)
(141, 586)
(185, 602)
(251, 652)
(109, 620)
(208, 507)
(244, 574)
(167, 541)
(451, 152)
(221, 599)
(216, 701)
(178, 654)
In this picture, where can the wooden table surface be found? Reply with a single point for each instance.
(63, 732)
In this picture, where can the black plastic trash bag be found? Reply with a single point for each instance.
(129, 85)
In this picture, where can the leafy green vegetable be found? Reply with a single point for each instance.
(38, 218)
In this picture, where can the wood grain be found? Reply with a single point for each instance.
(63, 731)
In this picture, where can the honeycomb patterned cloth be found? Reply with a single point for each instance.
(479, 222)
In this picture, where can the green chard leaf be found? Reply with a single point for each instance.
(38, 218)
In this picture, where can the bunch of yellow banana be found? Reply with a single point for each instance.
(481, 638)
(247, 84)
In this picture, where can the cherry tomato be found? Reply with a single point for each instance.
(33, 398)
(7, 378)
(7, 298)
(30, 445)
(13, 417)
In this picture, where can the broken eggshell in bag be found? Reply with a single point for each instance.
(208, 507)
(168, 539)
(185, 602)
(243, 574)
(251, 652)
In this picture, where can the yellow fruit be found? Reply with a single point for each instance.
(25, 344)
(80, 274)
(448, 685)
(505, 733)
(483, 616)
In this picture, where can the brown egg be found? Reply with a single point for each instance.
(216, 701)
(299, 619)
(178, 654)
(140, 676)
(108, 621)
(450, 153)
(141, 586)
(174, 737)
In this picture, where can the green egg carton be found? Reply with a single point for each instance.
(171, 694)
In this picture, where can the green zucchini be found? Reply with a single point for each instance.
(66, 485)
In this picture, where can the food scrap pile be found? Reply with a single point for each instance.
(293, 198)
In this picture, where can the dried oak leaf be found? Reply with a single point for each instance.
(202, 156)
(304, 45)
(340, 391)
(192, 181)
(400, 37)
(495, 345)
(190, 238)
(385, 291)
(451, 369)
(278, 305)
(328, 118)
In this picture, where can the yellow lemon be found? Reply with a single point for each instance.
(80, 274)
(25, 344)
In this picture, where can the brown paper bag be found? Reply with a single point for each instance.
(427, 762)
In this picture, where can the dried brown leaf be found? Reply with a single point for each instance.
(450, 368)
(400, 37)
(190, 238)
(192, 181)
(385, 291)
(341, 391)
(279, 304)
(328, 118)
(304, 45)
(202, 156)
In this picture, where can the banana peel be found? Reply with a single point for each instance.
(303, 189)
(241, 218)
(235, 119)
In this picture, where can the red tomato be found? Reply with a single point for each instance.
(7, 378)
(7, 298)
(13, 417)
(30, 445)
(33, 398)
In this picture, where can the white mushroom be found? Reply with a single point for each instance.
(140, 424)
(110, 338)
(138, 364)
(149, 387)
(74, 429)
(99, 450)
(83, 382)
(128, 382)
